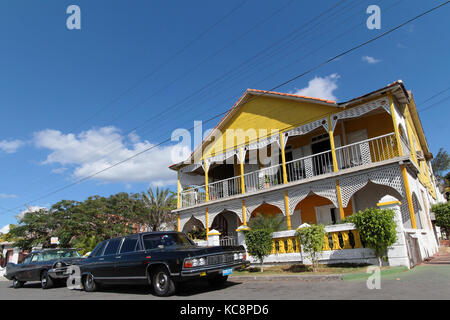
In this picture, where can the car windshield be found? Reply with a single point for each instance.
(172, 240)
(58, 254)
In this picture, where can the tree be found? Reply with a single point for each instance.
(272, 223)
(442, 212)
(377, 229)
(441, 163)
(259, 244)
(312, 240)
(159, 206)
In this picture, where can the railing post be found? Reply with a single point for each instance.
(339, 196)
(394, 122)
(333, 150)
(178, 189)
(242, 171)
(286, 209)
(283, 158)
(206, 181)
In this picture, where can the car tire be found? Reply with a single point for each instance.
(46, 280)
(89, 283)
(218, 280)
(163, 284)
(17, 284)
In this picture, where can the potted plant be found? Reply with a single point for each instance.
(267, 181)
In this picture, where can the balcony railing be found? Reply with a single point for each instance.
(349, 156)
(366, 152)
(224, 188)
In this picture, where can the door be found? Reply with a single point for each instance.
(322, 163)
(360, 153)
(102, 267)
(129, 264)
(326, 215)
(22, 268)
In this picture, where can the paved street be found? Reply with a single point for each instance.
(422, 282)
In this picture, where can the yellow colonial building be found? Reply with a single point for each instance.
(313, 161)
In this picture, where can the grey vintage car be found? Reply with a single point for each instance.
(46, 266)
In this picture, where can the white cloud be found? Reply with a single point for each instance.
(59, 170)
(97, 149)
(27, 210)
(5, 229)
(10, 146)
(8, 196)
(320, 87)
(370, 60)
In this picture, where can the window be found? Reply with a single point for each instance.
(98, 249)
(153, 241)
(35, 258)
(129, 244)
(27, 259)
(113, 246)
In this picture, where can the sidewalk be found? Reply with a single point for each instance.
(327, 277)
(442, 257)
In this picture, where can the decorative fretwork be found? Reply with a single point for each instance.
(233, 206)
(360, 110)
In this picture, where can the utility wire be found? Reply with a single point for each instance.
(256, 97)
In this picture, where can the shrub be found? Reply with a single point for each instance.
(442, 212)
(271, 223)
(259, 243)
(312, 240)
(377, 229)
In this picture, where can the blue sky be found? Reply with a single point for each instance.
(65, 98)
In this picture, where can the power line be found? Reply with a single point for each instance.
(256, 97)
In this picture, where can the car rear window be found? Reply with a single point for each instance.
(152, 241)
(129, 244)
(112, 246)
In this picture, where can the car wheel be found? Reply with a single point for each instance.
(218, 280)
(18, 284)
(163, 284)
(89, 283)
(46, 280)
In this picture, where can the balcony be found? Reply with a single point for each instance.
(359, 154)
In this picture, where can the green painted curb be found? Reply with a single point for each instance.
(383, 273)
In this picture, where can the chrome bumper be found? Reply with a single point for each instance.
(213, 269)
(58, 273)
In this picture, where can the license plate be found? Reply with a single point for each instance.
(226, 272)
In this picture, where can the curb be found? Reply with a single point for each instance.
(331, 277)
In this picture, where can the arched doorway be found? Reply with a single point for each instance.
(226, 223)
(195, 229)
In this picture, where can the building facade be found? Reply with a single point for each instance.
(313, 161)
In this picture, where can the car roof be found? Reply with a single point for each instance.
(51, 249)
(142, 233)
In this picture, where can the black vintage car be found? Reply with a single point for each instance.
(160, 259)
(46, 266)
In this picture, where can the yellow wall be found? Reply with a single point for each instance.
(270, 114)
(308, 204)
(266, 210)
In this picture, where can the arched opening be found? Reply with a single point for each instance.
(315, 209)
(267, 210)
(195, 229)
(370, 194)
(226, 223)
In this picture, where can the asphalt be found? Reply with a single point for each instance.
(422, 282)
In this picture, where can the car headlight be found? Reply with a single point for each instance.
(195, 262)
(201, 262)
(236, 256)
(241, 256)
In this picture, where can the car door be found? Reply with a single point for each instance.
(107, 262)
(22, 268)
(30, 270)
(130, 260)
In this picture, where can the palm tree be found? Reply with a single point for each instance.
(159, 205)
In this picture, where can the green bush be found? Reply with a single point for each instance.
(377, 229)
(442, 212)
(259, 243)
(312, 240)
(271, 223)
